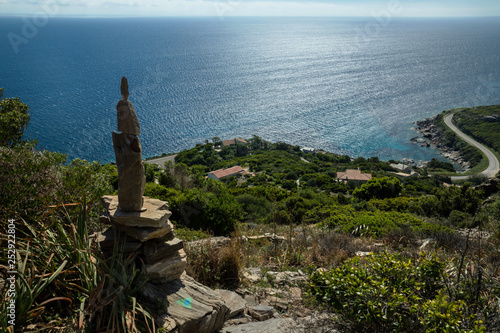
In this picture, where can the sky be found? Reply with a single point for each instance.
(221, 8)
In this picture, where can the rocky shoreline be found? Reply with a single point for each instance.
(431, 136)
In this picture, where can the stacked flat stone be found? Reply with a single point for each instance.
(149, 233)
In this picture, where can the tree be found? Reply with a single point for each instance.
(379, 188)
(217, 141)
(14, 119)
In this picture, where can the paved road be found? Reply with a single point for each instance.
(161, 160)
(493, 166)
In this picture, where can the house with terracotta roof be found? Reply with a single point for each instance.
(233, 142)
(353, 174)
(221, 173)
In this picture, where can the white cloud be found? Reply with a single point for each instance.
(247, 7)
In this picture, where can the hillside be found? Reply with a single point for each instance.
(294, 238)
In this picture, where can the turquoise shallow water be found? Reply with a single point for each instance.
(336, 84)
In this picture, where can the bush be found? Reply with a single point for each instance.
(217, 267)
(29, 179)
(14, 119)
(388, 293)
(379, 188)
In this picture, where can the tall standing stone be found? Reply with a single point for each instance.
(128, 152)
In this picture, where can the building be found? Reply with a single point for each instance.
(233, 142)
(402, 167)
(221, 173)
(354, 175)
(308, 150)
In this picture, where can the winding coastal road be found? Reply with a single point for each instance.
(493, 165)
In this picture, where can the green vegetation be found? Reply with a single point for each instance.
(14, 119)
(390, 293)
(64, 280)
(482, 123)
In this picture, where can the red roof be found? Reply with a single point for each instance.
(228, 142)
(355, 175)
(233, 141)
(221, 173)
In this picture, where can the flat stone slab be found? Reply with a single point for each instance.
(168, 269)
(279, 325)
(261, 312)
(145, 234)
(234, 302)
(107, 240)
(193, 306)
(157, 249)
(156, 213)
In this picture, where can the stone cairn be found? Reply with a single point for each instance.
(141, 221)
(142, 226)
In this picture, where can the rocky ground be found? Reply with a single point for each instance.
(272, 301)
(431, 136)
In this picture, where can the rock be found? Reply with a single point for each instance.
(194, 307)
(287, 277)
(168, 269)
(126, 116)
(167, 323)
(251, 300)
(155, 215)
(279, 325)
(215, 242)
(492, 118)
(261, 312)
(131, 177)
(107, 239)
(234, 302)
(296, 292)
(145, 234)
(238, 320)
(252, 274)
(427, 243)
(156, 249)
(128, 152)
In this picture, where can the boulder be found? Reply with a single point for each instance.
(279, 325)
(145, 234)
(155, 215)
(131, 178)
(234, 302)
(157, 249)
(107, 239)
(261, 312)
(169, 268)
(194, 307)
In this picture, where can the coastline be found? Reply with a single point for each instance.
(431, 135)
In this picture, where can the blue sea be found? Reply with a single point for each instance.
(347, 85)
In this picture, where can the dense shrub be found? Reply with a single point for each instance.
(389, 293)
(379, 188)
(211, 208)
